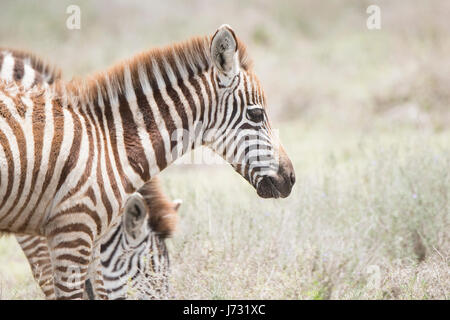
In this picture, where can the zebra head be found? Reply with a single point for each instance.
(138, 264)
(241, 133)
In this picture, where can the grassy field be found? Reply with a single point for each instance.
(368, 218)
(364, 116)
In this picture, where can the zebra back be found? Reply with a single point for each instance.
(26, 68)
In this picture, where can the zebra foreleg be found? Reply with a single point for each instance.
(96, 277)
(70, 261)
(38, 255)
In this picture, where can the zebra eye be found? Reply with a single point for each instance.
(255, 114)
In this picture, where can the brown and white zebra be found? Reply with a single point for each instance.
(72, 153)
(147, 263)
(134, 257)
(26, 68)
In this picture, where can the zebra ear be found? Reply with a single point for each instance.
(224, 50)
(134, 214)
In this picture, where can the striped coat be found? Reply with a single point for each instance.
(132, 266)
(26, 68)
(94, 142)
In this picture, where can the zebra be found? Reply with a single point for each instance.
(93, 142)
(26, 68)
(134, 258)
(160, 220)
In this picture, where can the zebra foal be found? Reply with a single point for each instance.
(147, 276)
(134, 257)
(94, 142)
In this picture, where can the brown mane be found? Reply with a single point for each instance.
(47, 70)
(163, 212)
(193, 55)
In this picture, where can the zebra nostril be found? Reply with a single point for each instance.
(292, 178)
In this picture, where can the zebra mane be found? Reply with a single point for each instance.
(163, 216)
(171, 63)
(49, 72)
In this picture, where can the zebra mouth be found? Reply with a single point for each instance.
(267, 188)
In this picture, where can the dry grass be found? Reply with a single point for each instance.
(363, 114)
(364, 204)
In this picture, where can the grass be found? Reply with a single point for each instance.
(16, 280)
(368, 219)
(362, 114)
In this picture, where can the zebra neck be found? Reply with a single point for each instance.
(151, 118)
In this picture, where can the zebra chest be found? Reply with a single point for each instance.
(89, 204)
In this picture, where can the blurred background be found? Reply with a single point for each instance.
(363, 114)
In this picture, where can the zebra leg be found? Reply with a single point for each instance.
(36, 250)
(70, 261)
(100, 287)
(96, 276)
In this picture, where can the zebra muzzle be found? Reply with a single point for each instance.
(278, 185)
